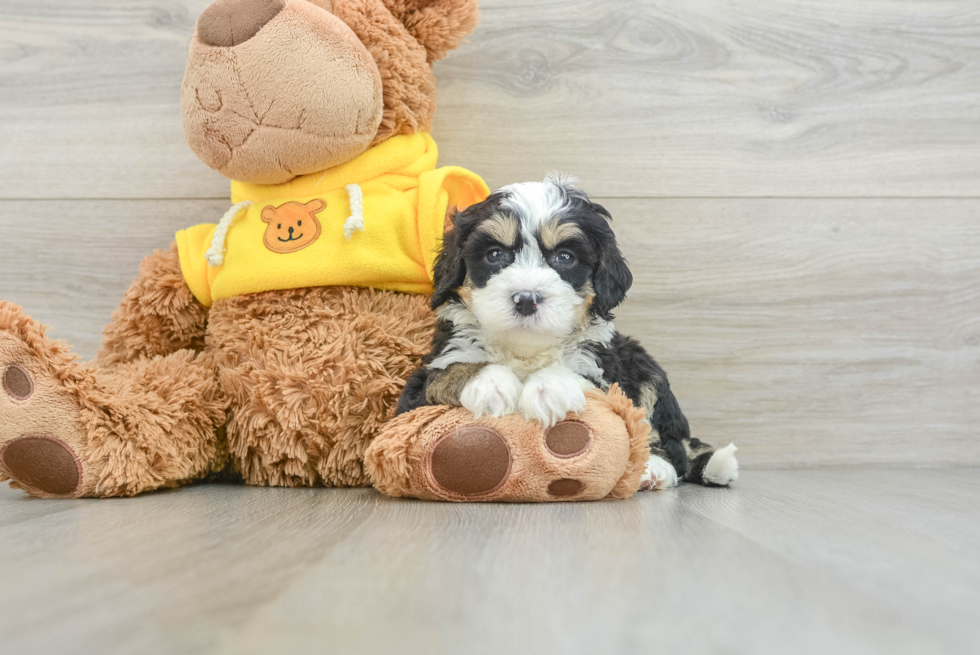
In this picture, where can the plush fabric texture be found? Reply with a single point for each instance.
(409, 87)
(302, 95)
(311, 377)
(439, 25)
(139, 426)
(400, 460)
(228, 23)
(404, 199)
(273, 93)
(158, 315)
(290, 390)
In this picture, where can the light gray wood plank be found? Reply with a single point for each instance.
(845, 332)
(68, 263)
(809, 332)
(744, 98)
(844, 521)
(652, 98)
(785, 561)
(91, 98)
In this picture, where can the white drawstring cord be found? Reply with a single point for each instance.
(355, 222)
(216, 253)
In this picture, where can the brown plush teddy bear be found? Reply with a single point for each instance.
(272, 346)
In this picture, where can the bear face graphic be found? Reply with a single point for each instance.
(292, 226)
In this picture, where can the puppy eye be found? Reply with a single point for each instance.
(279, 227)
(564, 258)
(299, 223)
(494, 255)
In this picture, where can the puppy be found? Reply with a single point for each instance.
(524, 291)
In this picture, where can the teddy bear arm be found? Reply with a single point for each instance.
(158, 315)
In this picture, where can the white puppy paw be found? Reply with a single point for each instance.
(722, 468)
(550, 394)
(660, 474)
(493, 391)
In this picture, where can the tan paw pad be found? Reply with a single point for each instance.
(566, 488)
(470, 460)
(17, 382)
(43, 463)
(568, 439)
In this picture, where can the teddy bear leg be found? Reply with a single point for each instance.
(158, 315)
(519, 461)
(69, 430)
(444, 453)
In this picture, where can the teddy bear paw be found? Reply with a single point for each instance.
(40, 435)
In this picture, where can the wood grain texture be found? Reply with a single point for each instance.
(68, 263)
(817, 332)
(809, 332)
(651, 98)
(789, 561)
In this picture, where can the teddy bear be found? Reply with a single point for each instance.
(271, 346)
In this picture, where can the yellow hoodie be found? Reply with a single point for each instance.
(376, 221)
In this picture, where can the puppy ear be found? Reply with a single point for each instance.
(268, 213)
(439, 25)
(611, 276)
(449, 271)
(316, 205)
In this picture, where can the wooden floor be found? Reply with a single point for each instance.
(796, 184)
(879, 561)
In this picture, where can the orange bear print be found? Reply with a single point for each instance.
(292, 226)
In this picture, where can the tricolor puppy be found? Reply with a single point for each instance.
(524, 288)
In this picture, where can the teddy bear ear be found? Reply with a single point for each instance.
(316, 205)
(439, 25)
(268, 213)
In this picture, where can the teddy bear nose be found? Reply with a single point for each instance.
(290, 231)
(229, 23)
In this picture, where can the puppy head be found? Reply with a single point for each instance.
(537, 258)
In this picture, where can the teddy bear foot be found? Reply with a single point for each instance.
(40, 430)
(443, 453)
(476, 461)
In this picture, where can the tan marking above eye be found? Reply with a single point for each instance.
(554, 233)
(501, 227)
(465, 292)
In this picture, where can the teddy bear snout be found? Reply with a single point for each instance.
(228, 23)
(266, 119)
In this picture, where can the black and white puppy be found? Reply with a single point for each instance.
(524, 287)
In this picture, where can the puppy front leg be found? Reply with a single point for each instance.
(551, 393)
(444, 386)
(493, 391)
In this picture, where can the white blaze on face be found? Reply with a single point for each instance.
(534, 204)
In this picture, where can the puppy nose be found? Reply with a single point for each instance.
(290, 230)
(228, 23)
(526, 303)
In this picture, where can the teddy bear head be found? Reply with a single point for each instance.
(275, 89)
